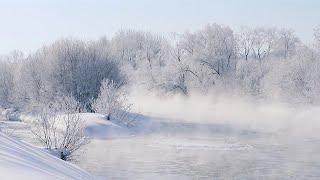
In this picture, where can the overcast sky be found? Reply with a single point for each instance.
(27, 25)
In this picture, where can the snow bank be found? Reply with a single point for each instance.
(19, 160)
(98, 127)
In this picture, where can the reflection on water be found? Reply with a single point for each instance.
(165, 155)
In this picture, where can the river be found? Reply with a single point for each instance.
(203, 151)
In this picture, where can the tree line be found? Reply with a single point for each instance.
(260, 62)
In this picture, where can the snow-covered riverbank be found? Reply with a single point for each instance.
(19, 160)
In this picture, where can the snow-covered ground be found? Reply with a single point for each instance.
(19, 160)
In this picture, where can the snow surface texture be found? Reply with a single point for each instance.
(19, 160)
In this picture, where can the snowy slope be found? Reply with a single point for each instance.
(19, 160)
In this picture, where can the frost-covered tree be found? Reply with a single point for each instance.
(111, 101)
(6, 83)
(286, 43)
(63, 68)
(316, 35)
(245, 40)
(59, 127)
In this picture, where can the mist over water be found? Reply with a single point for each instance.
(203, 137)
(234, 111)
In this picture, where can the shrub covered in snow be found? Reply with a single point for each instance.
(59, 127)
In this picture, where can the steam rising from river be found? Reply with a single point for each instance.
(232, 110)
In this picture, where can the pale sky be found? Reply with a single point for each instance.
(27, 25)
